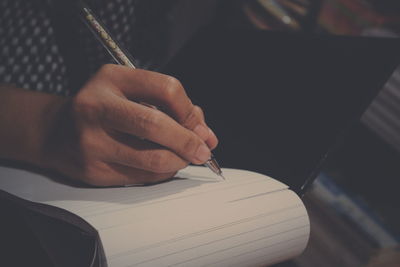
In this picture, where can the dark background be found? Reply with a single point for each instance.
(280, 101)
(364, 165)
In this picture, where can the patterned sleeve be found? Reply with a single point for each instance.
(29, 55)
(32, 56)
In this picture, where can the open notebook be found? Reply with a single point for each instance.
(193, 220)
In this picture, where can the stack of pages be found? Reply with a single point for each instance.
(194, 219)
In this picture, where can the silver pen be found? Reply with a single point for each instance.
(122, 57)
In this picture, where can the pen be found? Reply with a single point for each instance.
(122, 57)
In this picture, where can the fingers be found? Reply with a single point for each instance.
(132, 152)
(161, 141)
(195, 122)
(111, 174)
(129, 176)
(156, 126)
(157, 89)
(164, 92)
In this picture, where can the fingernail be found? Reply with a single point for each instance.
(201, 131)
(203, 153)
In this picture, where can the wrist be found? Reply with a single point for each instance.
(26, 120)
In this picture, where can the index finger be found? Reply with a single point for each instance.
(153, 125)
(163, 91)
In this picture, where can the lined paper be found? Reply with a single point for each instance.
(194, 220)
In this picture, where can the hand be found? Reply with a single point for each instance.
(105, 136)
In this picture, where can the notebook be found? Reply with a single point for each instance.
(195, 219)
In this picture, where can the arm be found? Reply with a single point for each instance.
(103, 136)
(25, 119)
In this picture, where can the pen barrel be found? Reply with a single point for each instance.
(120, 55)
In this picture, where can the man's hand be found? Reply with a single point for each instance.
(108, 134)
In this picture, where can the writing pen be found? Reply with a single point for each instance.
(122, 57)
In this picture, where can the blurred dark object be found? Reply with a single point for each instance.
(353, 17)
(283, 14)
(345, 17)
(369, 168)
(333, 233)
(391, 7)
(34, 234)
(383, 115)
(290, 98)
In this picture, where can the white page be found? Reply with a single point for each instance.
(195, 221)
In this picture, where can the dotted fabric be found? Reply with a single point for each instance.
(118, 16)
(30, 56)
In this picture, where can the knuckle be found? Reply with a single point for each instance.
(158, 162)
(123, 155)
(147, 123)
(172, 88)
(107, 69)
(194, 117)
(198, 111)
(190, 145)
